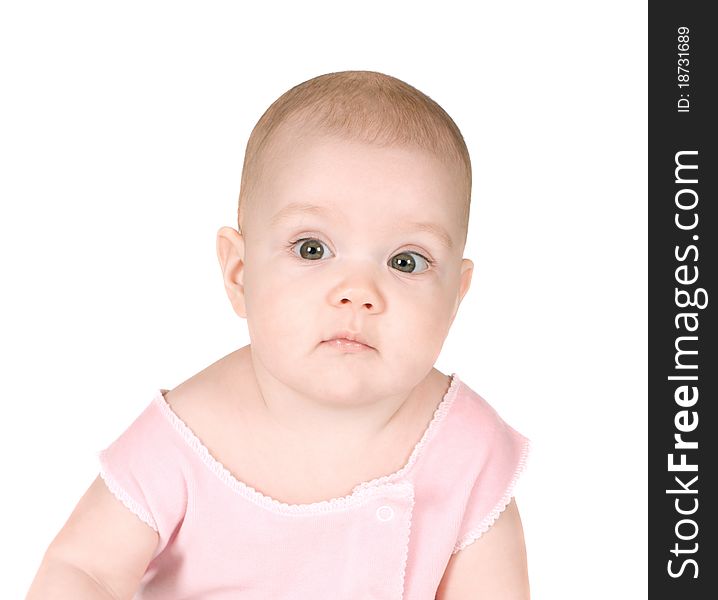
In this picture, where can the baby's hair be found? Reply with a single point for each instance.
(359, 105)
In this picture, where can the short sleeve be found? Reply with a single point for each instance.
(142, 468)
(502, 462)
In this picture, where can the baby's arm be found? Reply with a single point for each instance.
(494, 566)
(101, 553)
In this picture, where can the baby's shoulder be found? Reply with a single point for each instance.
(207, 403)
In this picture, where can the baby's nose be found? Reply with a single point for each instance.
(362, 296)
(368, 305)
(357, 285)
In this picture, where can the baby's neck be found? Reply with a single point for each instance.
(320, 430)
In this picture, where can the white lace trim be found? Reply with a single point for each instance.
(360, 494)
(119, 492)
(439, 414)
(486, 523)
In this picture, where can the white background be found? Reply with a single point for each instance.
(122, 132)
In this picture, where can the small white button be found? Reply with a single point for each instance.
(385, 513)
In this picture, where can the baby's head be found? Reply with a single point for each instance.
(353, 216)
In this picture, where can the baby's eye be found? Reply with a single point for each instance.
(407, 262)
(311, 248)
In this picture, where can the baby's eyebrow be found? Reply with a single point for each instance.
(302, 207)
(298, 208)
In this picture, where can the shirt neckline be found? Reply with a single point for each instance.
(359, 493)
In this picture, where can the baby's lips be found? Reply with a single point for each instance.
(352, 336)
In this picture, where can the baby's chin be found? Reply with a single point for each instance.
(345, 382)
(356, 383)
(340, 374)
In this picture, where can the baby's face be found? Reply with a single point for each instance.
(343, 236)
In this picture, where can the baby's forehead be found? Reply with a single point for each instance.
(379, 192)
(316, 159)
(307, 138)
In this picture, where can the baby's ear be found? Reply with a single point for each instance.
(230, 252)
(467, 270)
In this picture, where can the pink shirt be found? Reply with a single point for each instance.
(390, 539)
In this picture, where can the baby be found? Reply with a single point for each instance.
(327, 459)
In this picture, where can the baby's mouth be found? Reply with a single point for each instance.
(345, 345)
(348, 341)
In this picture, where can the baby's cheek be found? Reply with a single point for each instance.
(416, 325)
(261, 291)
(435, 318)
(434, 328)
